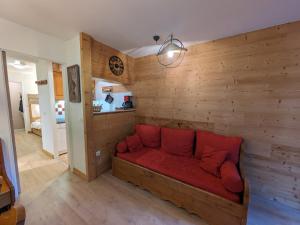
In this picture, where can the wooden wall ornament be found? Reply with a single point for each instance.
(41, 82)
(116, 65)
(100, 55)
(74, 83)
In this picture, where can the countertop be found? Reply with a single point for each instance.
(115, 111)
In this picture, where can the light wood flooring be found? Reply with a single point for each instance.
(53, 195)
(35, 167)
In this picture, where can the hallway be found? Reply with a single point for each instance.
(36, 169)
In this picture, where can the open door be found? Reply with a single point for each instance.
(6, 127)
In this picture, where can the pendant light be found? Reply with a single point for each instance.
(171, 52)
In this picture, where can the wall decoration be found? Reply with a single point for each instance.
(41, 82)
(116, 65)
(107, 89)
(74, 83)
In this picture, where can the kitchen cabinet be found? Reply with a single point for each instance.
(58, 82)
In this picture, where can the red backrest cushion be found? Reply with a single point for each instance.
(177, 141)
(212, 160)
(231, 178)
(134, 143)
(149, 134)
(220, 143)
(122, 147)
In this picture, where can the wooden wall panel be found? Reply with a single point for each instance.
(86, 70)
(100, 63)
(108, 130)
(246, 85)
(104, 131)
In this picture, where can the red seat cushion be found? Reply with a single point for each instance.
(231, 178)
(177, 141)
(181, 168)
(212, 160)
(122, 146)
(149, 134)
(134, 143)
(220, 143)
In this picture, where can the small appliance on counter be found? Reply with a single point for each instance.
(127, 104)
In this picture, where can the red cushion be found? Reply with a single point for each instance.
(181, 168)
(220, 143)
(231, 178)
(122, 146)
(134, 143)
(150, 135)
(212, 160)
(177, 141)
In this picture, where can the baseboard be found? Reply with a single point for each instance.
(80, 174)
(48, 153)
(62, 153)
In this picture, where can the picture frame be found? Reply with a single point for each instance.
(74, 83)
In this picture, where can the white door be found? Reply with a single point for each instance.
(6, 127)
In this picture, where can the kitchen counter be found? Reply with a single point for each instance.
(115, 111)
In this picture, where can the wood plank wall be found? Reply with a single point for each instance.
(102, 132)
(108, 130)
(86, 70)
(101, 54)
(247, 85)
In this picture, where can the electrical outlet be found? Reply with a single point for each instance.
(98, 153)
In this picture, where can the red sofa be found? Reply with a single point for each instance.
(202, 159)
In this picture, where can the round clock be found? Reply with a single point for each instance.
(116, 65)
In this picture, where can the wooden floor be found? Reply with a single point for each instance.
(53, 195)
(36, 169)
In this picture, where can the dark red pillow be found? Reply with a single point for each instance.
(220, 143)
(231, 178)
(177, 141)
(134, 143)
(149, 134)
(212, 160)
(122, 147)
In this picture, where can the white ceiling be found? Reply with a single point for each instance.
(130, 24)
(29, 67)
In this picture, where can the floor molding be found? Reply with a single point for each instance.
(48, 153)
(80, 174)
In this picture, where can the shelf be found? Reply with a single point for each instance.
(115, 111)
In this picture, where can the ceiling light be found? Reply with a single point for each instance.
(18, 64)
(171, 52)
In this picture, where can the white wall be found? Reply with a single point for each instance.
(44, 71)
(28, 87)
(21, 39)
(74, 111)
(6, 132)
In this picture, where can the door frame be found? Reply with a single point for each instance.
(9, 146)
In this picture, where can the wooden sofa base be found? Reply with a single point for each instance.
(212, 208)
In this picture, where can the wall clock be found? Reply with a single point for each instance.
(116, 65)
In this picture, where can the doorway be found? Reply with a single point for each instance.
(35, 132)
